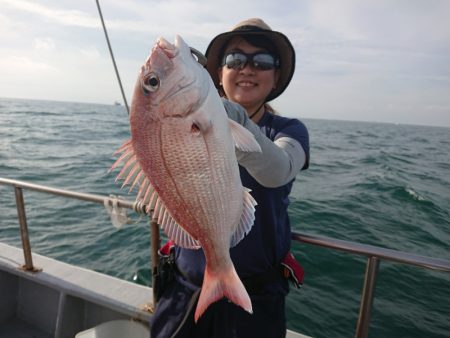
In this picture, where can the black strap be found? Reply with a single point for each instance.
(189, 310)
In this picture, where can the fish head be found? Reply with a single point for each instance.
(171, 83)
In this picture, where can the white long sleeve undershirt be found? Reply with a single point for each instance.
(280, 160)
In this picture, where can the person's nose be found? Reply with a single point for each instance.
(248, 69)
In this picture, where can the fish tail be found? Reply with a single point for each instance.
(216, 286)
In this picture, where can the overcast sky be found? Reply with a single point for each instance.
(372, 60)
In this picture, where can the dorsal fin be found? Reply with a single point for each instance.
(133, 175)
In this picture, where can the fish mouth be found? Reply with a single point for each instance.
(160, 63)
(162, 49)
(169, 49)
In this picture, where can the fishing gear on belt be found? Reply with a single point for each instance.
(289, 268)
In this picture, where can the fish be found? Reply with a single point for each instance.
(181, 158)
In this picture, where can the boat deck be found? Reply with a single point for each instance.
(19, 329)
(63, 299)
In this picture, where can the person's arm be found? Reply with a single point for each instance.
(278, 163)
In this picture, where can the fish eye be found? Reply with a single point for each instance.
(150, 83)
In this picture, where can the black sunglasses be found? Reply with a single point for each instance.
(259, 60)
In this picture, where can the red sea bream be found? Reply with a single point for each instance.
(181, 155)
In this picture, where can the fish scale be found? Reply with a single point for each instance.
(182, 149)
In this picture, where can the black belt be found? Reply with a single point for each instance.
(256, 283)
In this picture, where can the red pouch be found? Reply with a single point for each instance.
(293, 270)
(166, 249)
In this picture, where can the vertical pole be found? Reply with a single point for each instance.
(155, 244)
(24, 229)
(367, 296)
(59, 330)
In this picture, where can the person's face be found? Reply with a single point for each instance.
(247, 86)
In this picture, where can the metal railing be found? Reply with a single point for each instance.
(20, 204)
(374, 254)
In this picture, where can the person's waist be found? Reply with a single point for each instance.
(254, 282)
(263, 282)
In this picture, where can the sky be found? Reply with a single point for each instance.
(373, 60)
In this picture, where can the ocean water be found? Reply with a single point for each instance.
(379, 184)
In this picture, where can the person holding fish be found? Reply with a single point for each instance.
(250, 66)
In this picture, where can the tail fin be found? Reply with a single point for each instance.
(216, 286)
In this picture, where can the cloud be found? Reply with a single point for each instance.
(145, 17)
(44, 44)
(18, 66)
(63, 17)
(76, 74)
(354, 58)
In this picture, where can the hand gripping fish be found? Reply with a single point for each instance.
(181, 155)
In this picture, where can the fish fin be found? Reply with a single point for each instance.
(131, 171)
(126, 150)
(133, 174)
(218, 285)
(173, 230)
(243, 139)
(247, 218)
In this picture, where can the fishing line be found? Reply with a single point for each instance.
(112, 56)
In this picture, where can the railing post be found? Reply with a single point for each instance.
(24, 230)
(365, 310)
(155, 244)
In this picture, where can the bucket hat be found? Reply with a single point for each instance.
(255, 27)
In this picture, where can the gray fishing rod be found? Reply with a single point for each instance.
(197, 54)
(112, 57)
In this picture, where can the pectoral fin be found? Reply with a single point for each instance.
(243, 139)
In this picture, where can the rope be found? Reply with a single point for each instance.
(112, 56)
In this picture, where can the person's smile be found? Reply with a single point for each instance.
(246, 84)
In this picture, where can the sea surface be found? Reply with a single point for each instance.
(380, 184)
